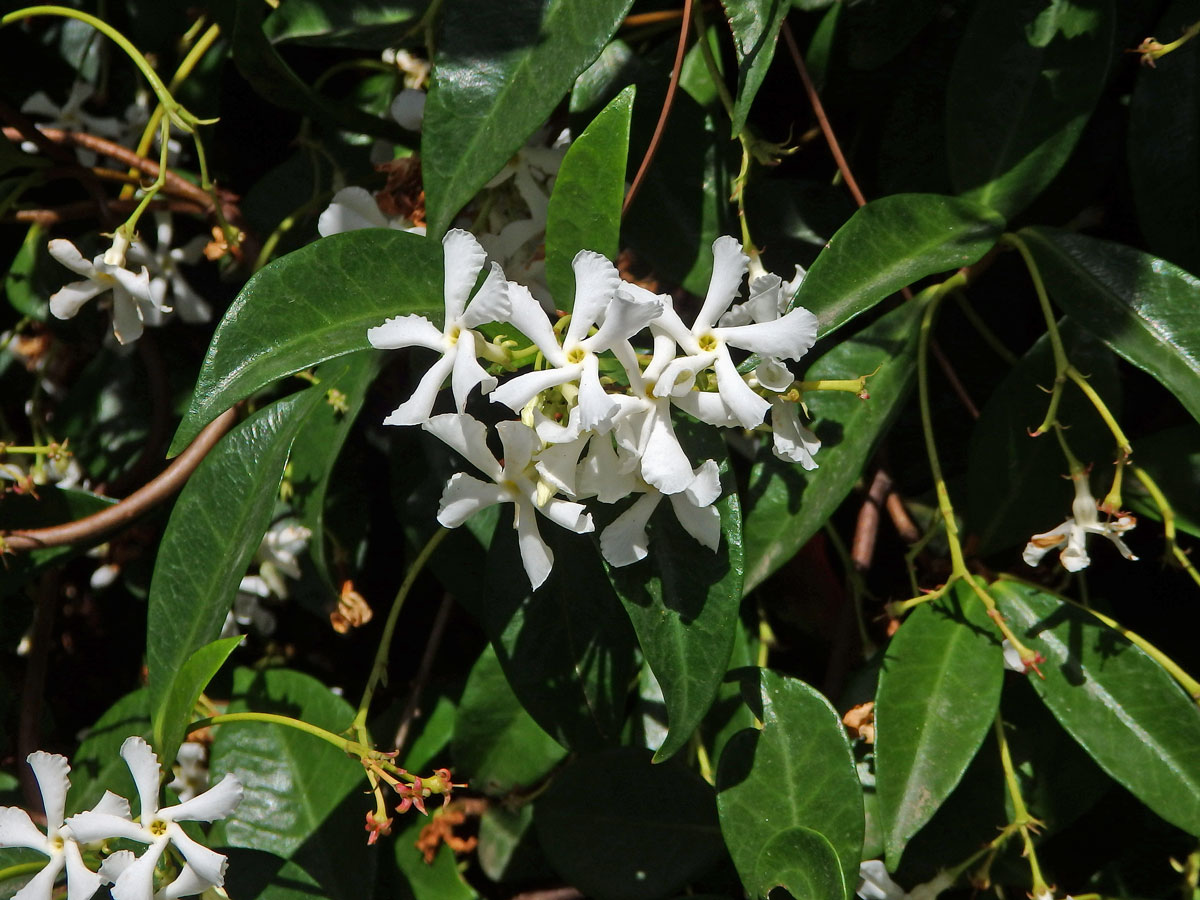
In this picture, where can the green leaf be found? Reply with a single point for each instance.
(877, 30)
(797, 771)
(889, 244)
(755, 25)
(567, 649)
(488, 96)
(1172, 458)
(319, 443)
(683, 601)
(214, 530)
(310, 306)
(786, 506)
(302, 798)
(1164, 145)
(1142, 307)
(365, 24)
(1015, 483)
(273, 79)
(612, 850)
(803, 862)
(436, 880)
(939, 690)
(174, 712)
(497, 745)
(585, 206)
(19, 284)
(1024, 83)
(1117, 702)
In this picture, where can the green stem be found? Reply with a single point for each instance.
(354, 748)
(1022, 820)
(1168, 517)
(379, 667)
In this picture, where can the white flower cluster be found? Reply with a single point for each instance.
(596, 413)
(132, 876)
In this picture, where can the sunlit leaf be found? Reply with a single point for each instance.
(755, 25)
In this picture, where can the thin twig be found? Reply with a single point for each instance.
(432, 643)
(905, 527)
(666, 107)
(559, 893)
(145, 498)
(823, 120)
(866, 529)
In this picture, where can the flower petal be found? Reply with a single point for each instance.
(68, 255)
(217, 802)
(467, 371)
(146, 772)
(1074, 556)
(706, 486)
(596, 283)
(113, 805)
(596, 408)
(747, 407)
(701, 522)
(51, 770)
(774, 375)
(464, 496)
(417, 408)
(664, 464)
(87, 827)
(490, 303)
(623, 318)
(787, 338)
(69, 299)
(571, 516)
(679, 376)
(186, 884)
(41, 885)
(707, 406)
(136, 284)
(602, 475)
(136, 881)
(208, 864)
(406, 331)
(729, 265)
(408, 109)
(530, 319)
(557, 464)
(536, 556)
(462, 260)
(792, 441)
(1116, 539)
(82, 882)
(520, 442)
(18, 830)
(1041, 544)
(127, 318)
(518, 391)
(468, 436)
(624, 542)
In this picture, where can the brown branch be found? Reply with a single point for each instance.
(73, 211)
(145, 498)
(666, 107)
(905, 527)
(866, 529)
(822, 119)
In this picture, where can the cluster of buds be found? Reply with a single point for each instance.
(413, 791)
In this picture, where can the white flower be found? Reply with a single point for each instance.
(58, 843)
(456, 341)
(705, 345)
(625, 542)
(354, 208)
(71, 117)
(874, 883)
(160, 827)
(132, 298)
(598, 301)
(163, 262)
(1084, 519)
(515, 481)
(408, 109)
(791, 440)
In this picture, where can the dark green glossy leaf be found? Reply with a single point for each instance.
(797, 770)
(803, 862)
(174, 712)
(820, 49)
(585, 207)
(258, 875)
(499, 72)
(755, 25)
(939, 689)
(497, 745)
(619, 851)
(1015, 483)
(302, 799)
(877, 30)
(1172, 458)
(261, 65)
(373, 24)
(1164, 145)
(508, 849)
(1024, 83)
(215, 529)
(889, 244)
(310, 306)
(683, 602)
(19, 284)
(97, 766)
(1121, 706)
(567, 649)
(785, 506)
(319, 442)
(1142, 307)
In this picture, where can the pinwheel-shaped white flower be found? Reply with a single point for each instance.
(456, 341)
(1072, 533)
(166, 279)
(706, 345)
(58, 843)
(354, 208)
(160, 827)
(514, 481)
(625, 542)
(71, 117)
(132, 298)
(600, 301)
